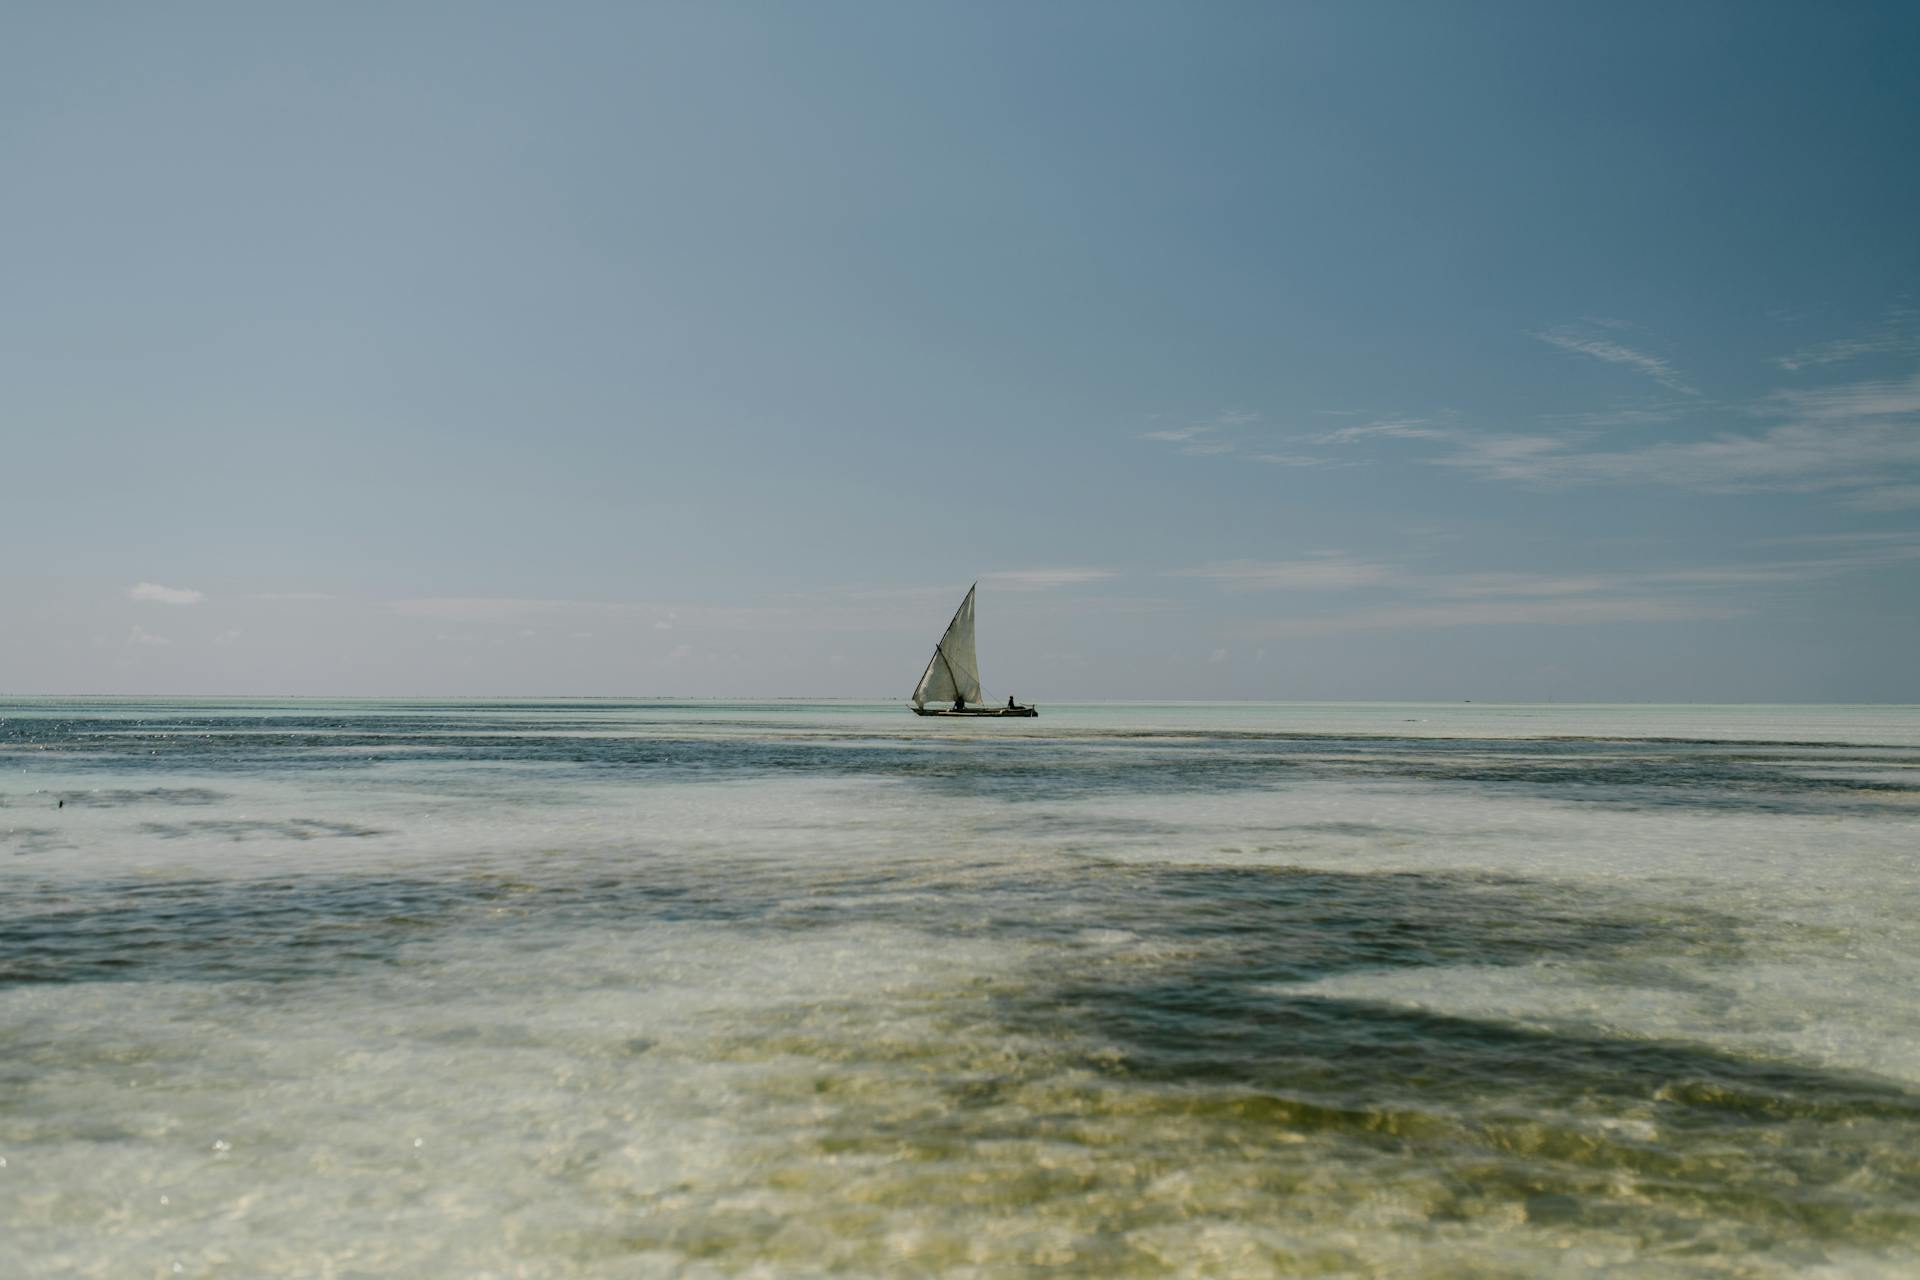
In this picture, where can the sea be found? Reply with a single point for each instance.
(605, 988)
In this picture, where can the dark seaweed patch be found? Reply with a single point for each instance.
(256, 828)
(592, 742)
(1256, 924)
(113, 798)
(26, 840)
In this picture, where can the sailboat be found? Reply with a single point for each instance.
(953, 674)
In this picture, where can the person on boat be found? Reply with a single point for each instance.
(1009, 702)
(959, 703)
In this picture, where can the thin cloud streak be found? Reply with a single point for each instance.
(1556, 613)
(1044, 579)
(498, 608)
(1624, 415)
(1855, 537)
(1522, 598)
(823, 613)
(1899, 335)
(1340, 573)
(1297, 460)
(1848, 401)
(1332, 572)
(1655, 367)
(154, 593)
(1859, 441)
(1224, 435)
(1892, 497)
(1391, 428)
(1859, 436)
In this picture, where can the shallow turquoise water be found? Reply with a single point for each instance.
(612, 988)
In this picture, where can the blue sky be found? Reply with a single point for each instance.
(1345, 351)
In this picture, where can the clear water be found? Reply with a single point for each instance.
(698, 989)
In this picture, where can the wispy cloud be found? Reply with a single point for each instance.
(1338, 572)
(1330, 571)
(140, 635)
(1849, 401)
(1324, 448)
(1490, 613)
(154, 593)
(1199, 442)
(1230, 434)
(1044, 579)
(1653, 414)
(1602, 348)
(1898, 334)
(1210, 438)
(1859, 439)
(1297, 460)
(521, 611)
(1391, 428)
(1887, 497)
(1440, 600)
(1849, 538)
(1421, 599)
(830, 610)
(497, 608)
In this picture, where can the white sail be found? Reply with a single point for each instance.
(953, 673)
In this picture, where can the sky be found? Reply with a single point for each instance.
(1293, 351)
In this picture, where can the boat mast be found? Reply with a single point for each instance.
(940, 645)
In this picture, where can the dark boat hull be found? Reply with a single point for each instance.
(982, 711)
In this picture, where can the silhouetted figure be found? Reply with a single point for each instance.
(1009, 702)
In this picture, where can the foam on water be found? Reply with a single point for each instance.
(611, 989)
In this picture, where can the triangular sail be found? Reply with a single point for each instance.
(953, 673)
